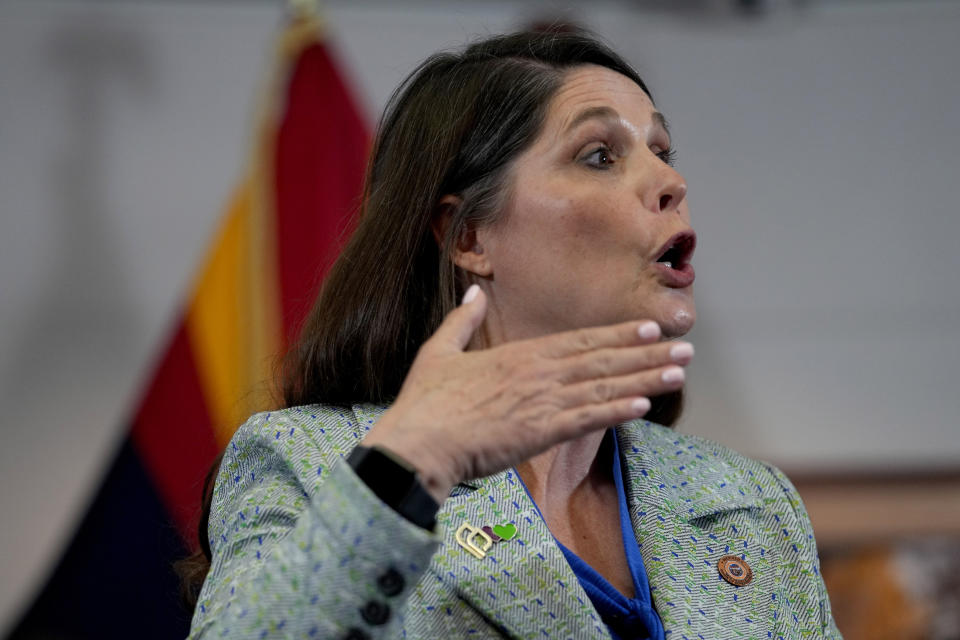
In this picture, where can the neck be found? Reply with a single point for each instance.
(557, 476)
(566, 471)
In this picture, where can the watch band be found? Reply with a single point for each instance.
(395, 482)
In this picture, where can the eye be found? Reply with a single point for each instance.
(599, 158)
(668, 156)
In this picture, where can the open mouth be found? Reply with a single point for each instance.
(678, 250)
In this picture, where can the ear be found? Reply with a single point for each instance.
(467, 252)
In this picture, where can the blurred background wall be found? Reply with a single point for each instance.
(819, 140)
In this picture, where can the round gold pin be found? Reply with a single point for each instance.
(735, 571)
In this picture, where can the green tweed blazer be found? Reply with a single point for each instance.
(303, 549)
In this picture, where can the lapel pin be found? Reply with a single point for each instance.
(475, 541)
(735, 571)
(501, 532)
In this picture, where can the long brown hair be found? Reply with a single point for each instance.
(453, 127)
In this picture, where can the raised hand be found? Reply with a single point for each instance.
(466, 414)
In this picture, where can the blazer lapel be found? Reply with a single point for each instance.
(689, 509)
(525, 584)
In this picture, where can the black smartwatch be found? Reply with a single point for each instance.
(395, 482)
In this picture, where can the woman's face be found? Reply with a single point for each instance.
(593, 205)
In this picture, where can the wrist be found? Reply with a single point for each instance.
(434, 481)
(434, 476)
(396, 483)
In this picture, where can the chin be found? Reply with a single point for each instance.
(678, 321)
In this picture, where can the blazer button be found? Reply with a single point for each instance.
(356, 634)
(390, 582)
(375, 613)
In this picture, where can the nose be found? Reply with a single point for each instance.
(668, 190)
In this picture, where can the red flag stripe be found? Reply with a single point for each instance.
(173, 435)
(320, 161)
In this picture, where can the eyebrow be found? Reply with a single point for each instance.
(660, 119)
(609, 113)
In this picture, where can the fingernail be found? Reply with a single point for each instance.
(641, 406)
(471, 293)
(672, 374)
(649, 329)
(681, 352)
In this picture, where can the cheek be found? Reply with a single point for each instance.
(537, 225)
(584, 233)
(609, 229)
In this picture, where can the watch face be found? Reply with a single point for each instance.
(397, 460)
(388, 479)
(394, 483)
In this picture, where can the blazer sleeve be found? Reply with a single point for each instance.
(811, 592)
(301, 547)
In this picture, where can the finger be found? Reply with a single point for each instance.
(457, 328)
(624, 334)
(652, 382)
(607, 362)
(577, 421)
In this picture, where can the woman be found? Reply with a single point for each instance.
(445, 470)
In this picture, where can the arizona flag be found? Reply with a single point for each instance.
(281, 229)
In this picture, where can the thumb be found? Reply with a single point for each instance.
(457, 328)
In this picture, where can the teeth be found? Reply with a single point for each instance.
(668, 263)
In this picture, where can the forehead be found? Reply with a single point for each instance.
(593, 86)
